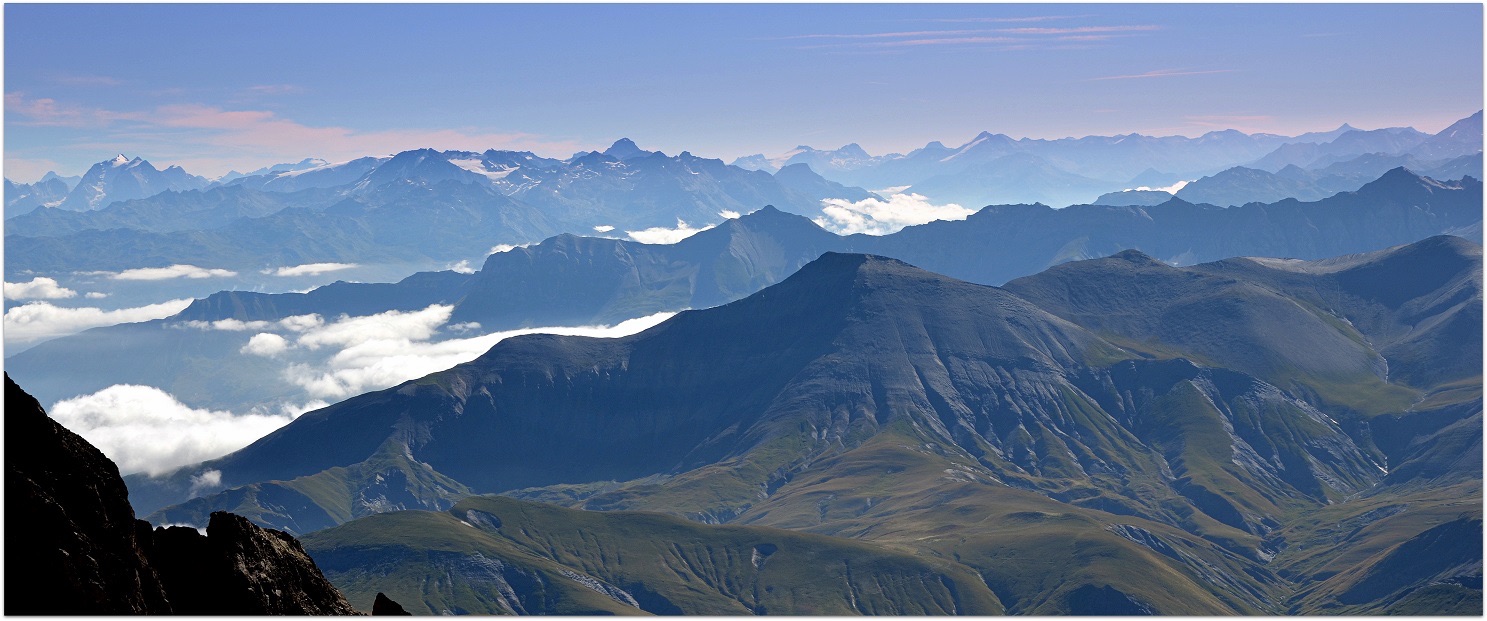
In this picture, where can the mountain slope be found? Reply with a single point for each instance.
(868, 399)
(640, 562)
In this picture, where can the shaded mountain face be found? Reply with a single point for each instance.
(1133, 198)
(74, 547)
(1239, 185)
(865, 398)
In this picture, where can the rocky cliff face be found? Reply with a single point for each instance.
(241, 568)
(74, 547)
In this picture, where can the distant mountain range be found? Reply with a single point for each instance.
(50, 191)
(995, 168)
(989, 169)
(463, 203)
(1183, 440)
(121, 179)
(1240, 185)
(570, 280)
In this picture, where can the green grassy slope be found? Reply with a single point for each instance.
(489, 552)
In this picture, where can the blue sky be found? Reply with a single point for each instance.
(218, 87)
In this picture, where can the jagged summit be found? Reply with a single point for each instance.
(624, 149)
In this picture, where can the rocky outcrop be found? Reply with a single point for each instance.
(384, 606)
(71, 540)
(73, 545)
(242, 568)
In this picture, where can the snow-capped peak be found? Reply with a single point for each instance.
(119, 160)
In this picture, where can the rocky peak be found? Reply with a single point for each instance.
(240, 567)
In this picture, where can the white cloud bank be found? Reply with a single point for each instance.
(500, 248)
(663, 235)
(145, 429)
(265, 344)
(39, 288)
(373, 352)
(174, 271)
(881, 217)
(43, 320)
(310, 269)
(1171, 189)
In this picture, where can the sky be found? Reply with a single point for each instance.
(215, 88)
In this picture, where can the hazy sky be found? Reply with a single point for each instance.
(217, 87)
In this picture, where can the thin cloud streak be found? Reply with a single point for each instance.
(1161, 73)
(909, 43)
(189, 129)
(1079, 30)
(85, 80)
(885, 35)
(1005, 20)
(1025, 38)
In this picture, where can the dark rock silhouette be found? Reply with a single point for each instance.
(71, 537)
(384, 606)
(74, 547)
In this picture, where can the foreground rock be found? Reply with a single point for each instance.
(74, 547)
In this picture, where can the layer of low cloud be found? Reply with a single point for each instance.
(729, 214)
(881, 217)
(145, 429)
(39, 288)
(292, 323)
(352, 355)
(663, 235)
(500, 248)
(461, 267)
(1170, 189)
(173, 271)
(42, 320)
(603, 228)
(310, 269)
